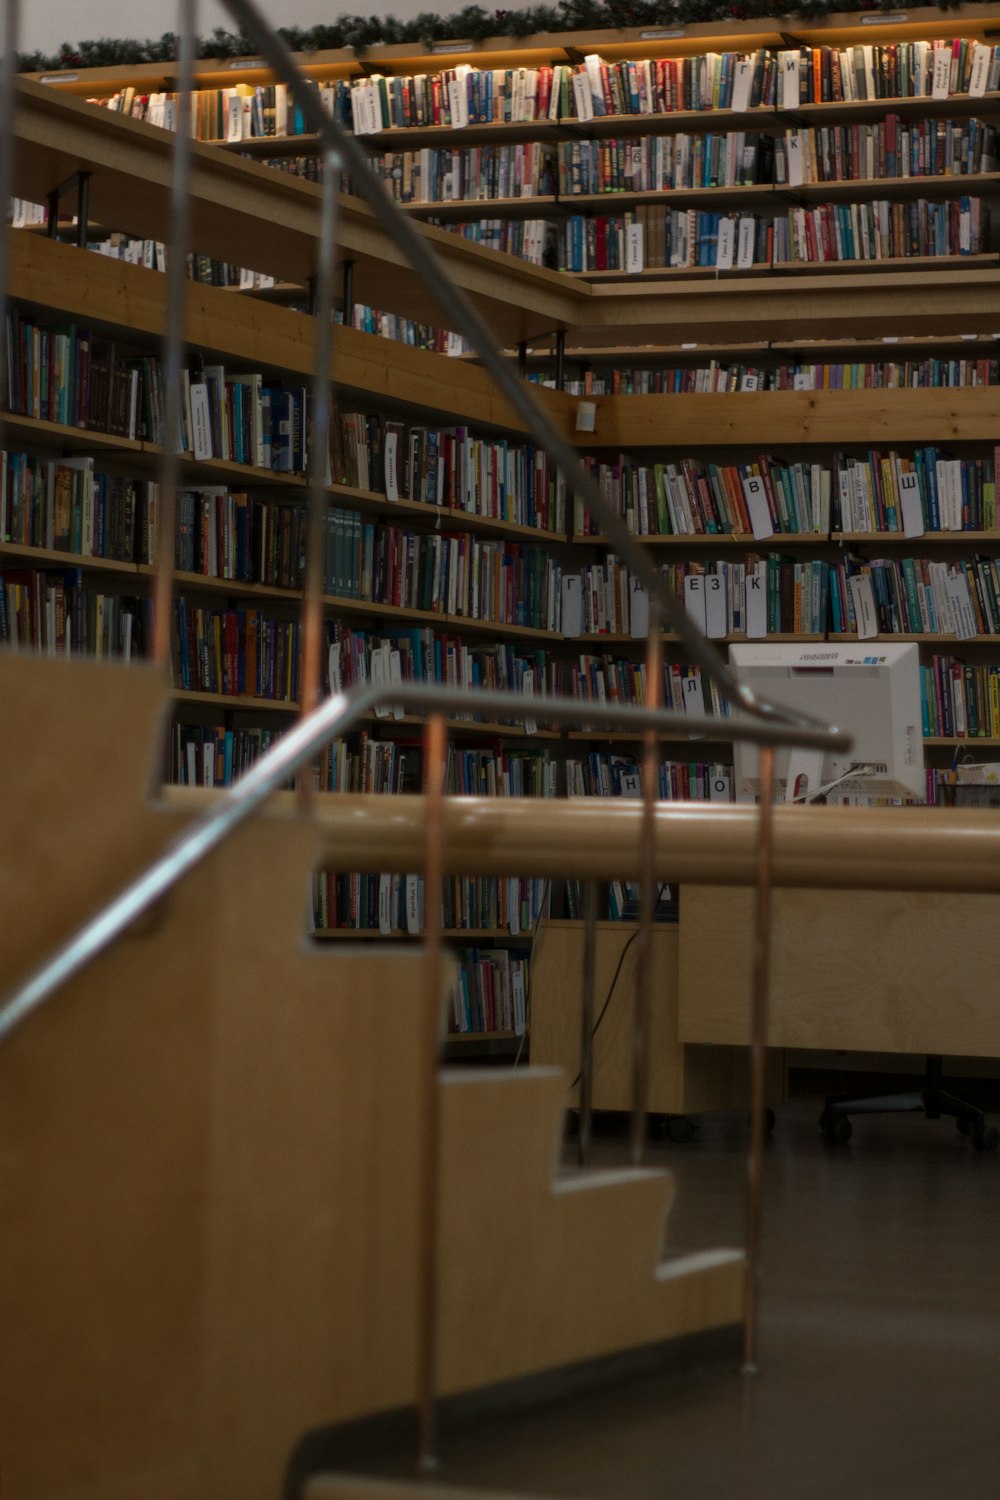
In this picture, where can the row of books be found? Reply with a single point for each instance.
(238, 652)
(445, 573)
(655, 237)
(938, 69)
(533, 240)
(890, 492)
(657, 163)
(214, 755)
(882, 231)
(933, 491)
(603, 773)
(80, 379)
(390, 903)
(490, 992)
(463, 95)
(915, 596)
(386, 325)
(687, 498)
(931, 372)
(451, 468)
(960, 698)
(419, 654)
(892, 147)
(58, 614)
(365, 764)
(73, 377)
(63, 505)
(227, 534)
(437, 175)
(614, 679)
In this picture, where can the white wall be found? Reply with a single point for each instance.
(45, 24)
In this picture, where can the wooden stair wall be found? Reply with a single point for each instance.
(208, 1155)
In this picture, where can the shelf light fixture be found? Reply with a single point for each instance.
(880, 20)
(60, 78)
(246, 62)
(662, 33)
(452, 47)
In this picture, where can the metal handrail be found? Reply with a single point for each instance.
(295, 749)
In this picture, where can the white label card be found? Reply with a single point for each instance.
(755, 496)
(336, 683)
(909, 500)
(384, 905)
(865, 616)
(957, 589)
(694, 599)
(942, 73)
(582, 97)
(720, 786)
(790, 80)
(980, 71)
(726, 244)
(756, 605)
(795, 157)
(635, 257)
(631, 784)
(716, 614)
(741, 85)
(572, 604)
(528, 689)
(638, 610)
(389, 459)
(694, 697)
(744, 253)
(750, 382)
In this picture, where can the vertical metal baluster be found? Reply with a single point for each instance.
(173, 351)
(647, 897)
(587, 1021)
(435, 756)
(761, 964)
(310, 690)
(8, 85)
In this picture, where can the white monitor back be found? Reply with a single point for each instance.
(870, 690)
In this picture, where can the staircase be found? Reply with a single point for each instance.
(208, 1157)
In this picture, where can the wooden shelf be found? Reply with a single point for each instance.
(234, 702)
(896, 188)
(666, 198)
(38, 557)
(764, 118)
(928, 538)
(920, 638)
(950, 740)
(719, 539)
(472, 935)
(849, 111)
(485, 208)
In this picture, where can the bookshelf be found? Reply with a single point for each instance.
(767, 317)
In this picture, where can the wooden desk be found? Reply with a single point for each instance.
(858, 971)
(684, 1079)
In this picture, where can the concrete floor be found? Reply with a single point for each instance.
(880, 1336)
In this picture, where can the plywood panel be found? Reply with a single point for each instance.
(892, 972)
(683, 1080)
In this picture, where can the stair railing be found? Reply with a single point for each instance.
(764, 724)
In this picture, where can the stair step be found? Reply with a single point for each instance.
(351, 1487)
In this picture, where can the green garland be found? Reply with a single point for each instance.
(472, 24)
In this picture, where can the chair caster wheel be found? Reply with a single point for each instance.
(986, 1138)
(964, 1127)
(836, 1128)
(680, 1129)
(769, 1117)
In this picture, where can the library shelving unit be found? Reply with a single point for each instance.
(801, 488)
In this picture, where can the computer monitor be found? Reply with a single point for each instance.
(869, 690)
